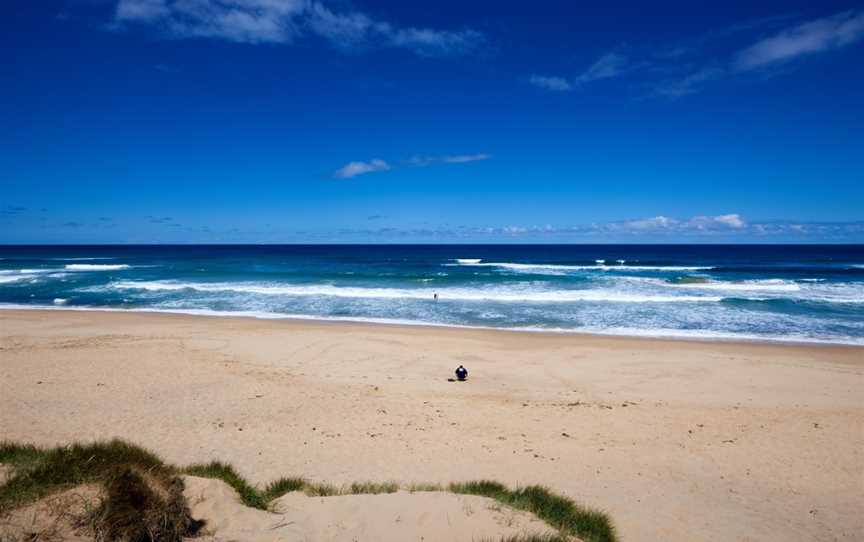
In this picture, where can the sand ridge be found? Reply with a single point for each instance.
(391, 517)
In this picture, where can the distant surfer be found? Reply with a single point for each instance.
(435, 296)
(461, 374)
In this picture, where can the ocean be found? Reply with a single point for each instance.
(794, 293)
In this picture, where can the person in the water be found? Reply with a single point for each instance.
(461, 374)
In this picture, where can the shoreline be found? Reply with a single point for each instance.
(359, 321)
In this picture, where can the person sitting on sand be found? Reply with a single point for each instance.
(461, 374)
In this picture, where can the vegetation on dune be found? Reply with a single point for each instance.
(216, 469)
(142, 498)
(559, 512)
(134, 509)
(38, 472)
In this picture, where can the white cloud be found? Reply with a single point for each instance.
(447, 159)
(282, 21)
(352, 169)
(656, 223)
(666, 224)
(141, 10)
(732, 220)
(814, 36)
(463, 158)
(551, 82)
(686, 67)
(608, 65)
(688, 84)
(424, 41)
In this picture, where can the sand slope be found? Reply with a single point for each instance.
(392, 517)
(676, 440)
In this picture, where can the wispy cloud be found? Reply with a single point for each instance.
(446, 159)
(550, 82)
(786, 45)
(284, 21)
(688, 84)
(811, 37)
(353, 169)
(607, 66)
(678, 69)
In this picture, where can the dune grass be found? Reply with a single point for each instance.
(38, 472)
(142, 498)
(559, 512)
(137, 480)
(216, 469)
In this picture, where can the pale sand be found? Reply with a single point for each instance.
(383, 518)
(675, 440)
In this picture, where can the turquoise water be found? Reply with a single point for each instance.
(789, 293)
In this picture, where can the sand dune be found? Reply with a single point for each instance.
(386, 518)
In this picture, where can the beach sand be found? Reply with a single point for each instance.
(676, 440)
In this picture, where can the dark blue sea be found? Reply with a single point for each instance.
(784, 292)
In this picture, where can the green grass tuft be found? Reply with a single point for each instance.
(372, 488)
(484, 488)
(559, 512)
(216, 469)
(39, 472)
(425, 487)
(17, 455)
(321, 490)
(282, 486)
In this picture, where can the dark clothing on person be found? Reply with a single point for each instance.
(461, 373)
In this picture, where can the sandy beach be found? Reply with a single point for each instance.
(676, 440)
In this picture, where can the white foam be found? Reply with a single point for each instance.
(449, 294)
(705, 335)
(60, 301)
(5, 279)
(468, 261)
(660, 333)
(767, 285)
(600, 261)
(818, 292)
(540, 268)
(95, 267)
(27, 271)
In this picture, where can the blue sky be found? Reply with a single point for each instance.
(175, 121)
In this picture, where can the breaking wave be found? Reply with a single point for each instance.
(511, 295)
